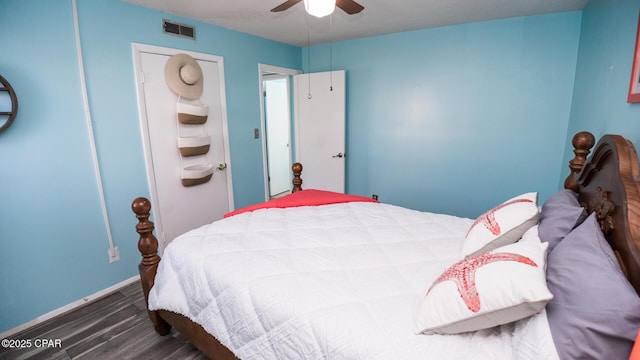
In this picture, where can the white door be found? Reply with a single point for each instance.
(277, 118)
(320, 129)
(177, 208)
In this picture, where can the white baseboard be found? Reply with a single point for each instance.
(68, 307)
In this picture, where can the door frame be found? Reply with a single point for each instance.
(137, 49)
(284, 131)
(263, 71)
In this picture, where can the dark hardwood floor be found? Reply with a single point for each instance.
(115, 326)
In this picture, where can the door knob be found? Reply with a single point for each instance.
(222, 166)
(338, 155)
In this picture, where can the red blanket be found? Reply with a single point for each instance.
(308, 197)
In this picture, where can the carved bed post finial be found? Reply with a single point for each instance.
(582, 144)
(148, 246)
(297, 180)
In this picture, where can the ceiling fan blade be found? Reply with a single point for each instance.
(349, 6)
(285, 5)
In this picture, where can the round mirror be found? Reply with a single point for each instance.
(8, 104)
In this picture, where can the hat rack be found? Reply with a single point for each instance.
(184, 77)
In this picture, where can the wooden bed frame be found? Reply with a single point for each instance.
(607, 183)
(163, 320)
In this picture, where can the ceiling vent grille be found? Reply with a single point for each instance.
(177, 29)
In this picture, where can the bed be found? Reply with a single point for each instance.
(319, 275)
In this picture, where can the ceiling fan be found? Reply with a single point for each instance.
(349, 6)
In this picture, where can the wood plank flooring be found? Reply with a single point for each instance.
(115, 326)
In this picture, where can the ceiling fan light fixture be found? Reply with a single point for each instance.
(319, 8)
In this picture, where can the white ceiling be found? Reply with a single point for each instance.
(379, 16)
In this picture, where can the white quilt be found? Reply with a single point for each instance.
(338, 281)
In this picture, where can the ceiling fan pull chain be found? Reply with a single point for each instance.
(330, 54)
(308, 60)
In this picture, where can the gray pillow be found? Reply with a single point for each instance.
(560, 214)
(595, 312)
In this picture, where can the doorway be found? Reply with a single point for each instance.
(275, 108)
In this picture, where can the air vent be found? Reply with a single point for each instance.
(178, 29)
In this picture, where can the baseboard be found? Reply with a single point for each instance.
(69, 307)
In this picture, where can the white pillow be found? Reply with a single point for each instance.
(508, 284)
(502, 225)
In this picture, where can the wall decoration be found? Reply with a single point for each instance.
(634, 86)
(12, 110)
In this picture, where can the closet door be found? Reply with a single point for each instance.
(178, 208)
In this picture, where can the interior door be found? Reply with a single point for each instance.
(179, 208)
(320, 129)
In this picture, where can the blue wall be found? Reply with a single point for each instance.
(51, 227)
(451, 120)
(607, 42)
(456, 118)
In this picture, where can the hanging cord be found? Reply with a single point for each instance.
(330, 54)
(206, 133)
(178, 132)
(308, 59)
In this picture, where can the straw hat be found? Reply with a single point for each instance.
(184, 76)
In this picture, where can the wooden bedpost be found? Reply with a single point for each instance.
(148, 246)
(582, 144)
(297, 180)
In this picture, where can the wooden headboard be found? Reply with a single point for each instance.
(608, 183)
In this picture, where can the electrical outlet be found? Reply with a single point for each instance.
(114, 254)
(256, 133)
(374, 196)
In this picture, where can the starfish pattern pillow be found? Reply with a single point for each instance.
(487, 290)
(502, 225)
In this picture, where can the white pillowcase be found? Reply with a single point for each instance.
(502, 225)
(510, 284)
